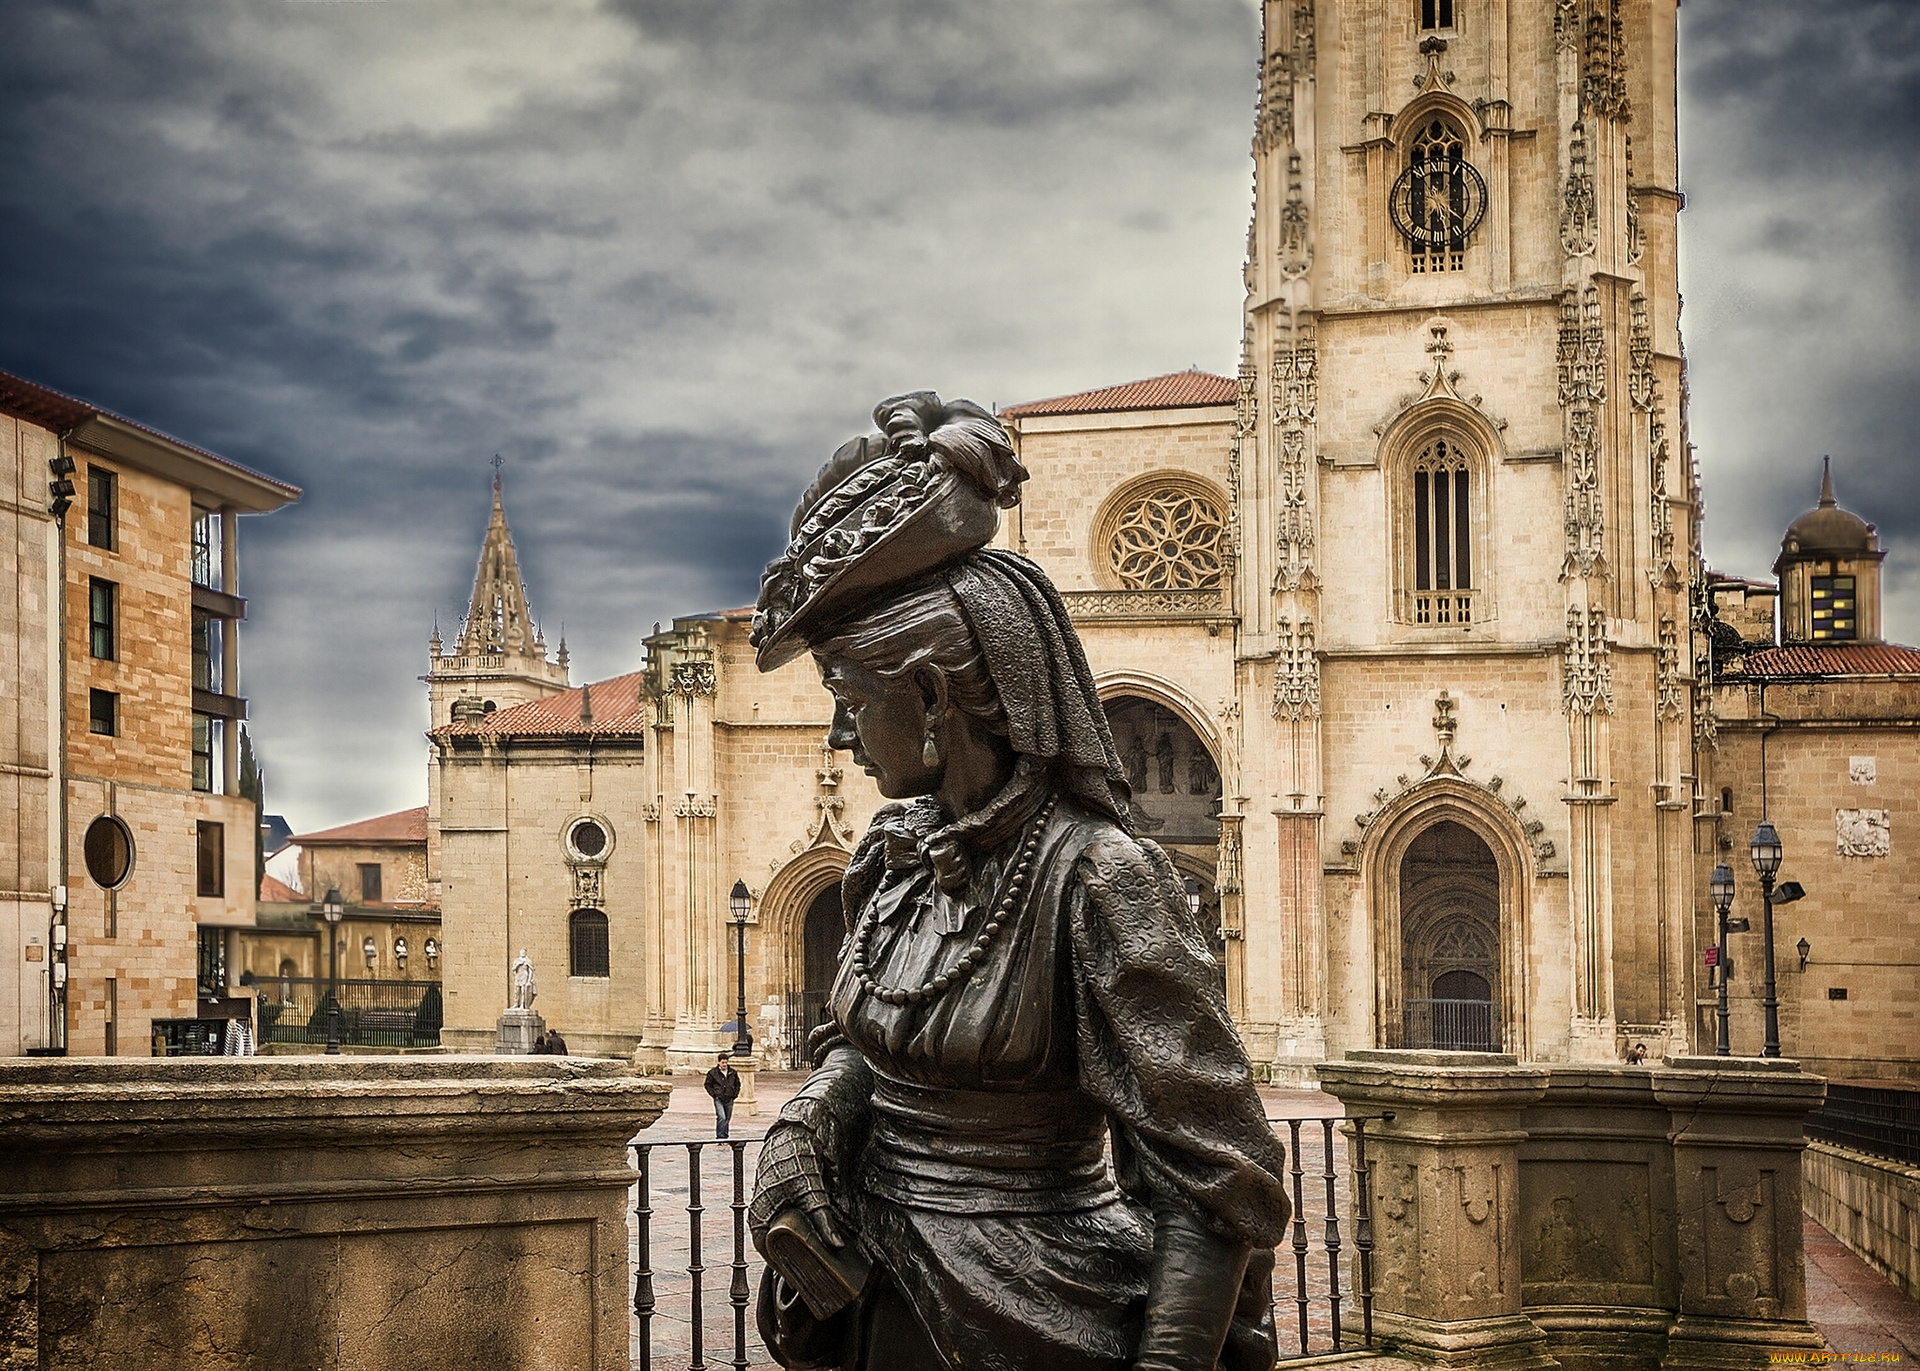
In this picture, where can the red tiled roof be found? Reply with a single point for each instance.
(404, 826)
(278, 892)
(615, 702)
(1176, 390)
(1834, 659)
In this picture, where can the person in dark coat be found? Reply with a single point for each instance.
(723, 1083)
(556, 1045)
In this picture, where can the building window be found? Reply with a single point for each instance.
(207, 659)
(103, 713)
(213, 963)
(100, 507)
(1167, 536)
(369, 883)
(208, 737)
(108, 848)
(1439, 199)
(102, 600)
(211, 858)
(1834, 613)
(587, 944)
(206, 548)
(112, 1007)
(1442, 535)
(1436, 14)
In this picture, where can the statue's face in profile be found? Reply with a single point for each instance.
(883, 723)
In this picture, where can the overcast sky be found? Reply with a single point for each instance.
(662, 255)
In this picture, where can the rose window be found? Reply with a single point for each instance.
(1168, 539)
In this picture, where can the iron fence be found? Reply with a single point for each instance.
(682, 1306)
(1880, 1119)
(296, 1009)
(1449, 1025)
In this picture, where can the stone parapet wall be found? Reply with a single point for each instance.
(1870, 1204)
(340, 1213)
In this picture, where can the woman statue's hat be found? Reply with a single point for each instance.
(887, 507)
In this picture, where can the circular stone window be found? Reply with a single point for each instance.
(1168, 535)
(588, 838)
(109, 851)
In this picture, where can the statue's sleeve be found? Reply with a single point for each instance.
(1158, 1049)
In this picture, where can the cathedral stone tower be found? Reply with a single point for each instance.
(1463, 526)
(500, 658)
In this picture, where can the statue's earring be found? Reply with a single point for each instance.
(930, 754)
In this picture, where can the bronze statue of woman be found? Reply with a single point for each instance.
(1022, 982)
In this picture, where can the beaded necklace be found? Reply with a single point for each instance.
(932, 990)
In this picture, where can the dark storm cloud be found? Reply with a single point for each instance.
(664, 254)
(1801, 268)
(660, 256)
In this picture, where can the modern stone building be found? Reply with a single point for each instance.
(1401, 631)
(132, 849)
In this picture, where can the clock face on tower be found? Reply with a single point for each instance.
(1440, 198)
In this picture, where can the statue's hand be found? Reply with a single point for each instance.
(792, 1176)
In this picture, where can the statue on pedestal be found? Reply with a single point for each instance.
(519, 1027)
(1023, 982)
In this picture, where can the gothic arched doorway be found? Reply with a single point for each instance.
(1450, 941)
(821, 933)
(1175, 779)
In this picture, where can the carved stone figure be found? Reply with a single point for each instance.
(1023, 982)
(523, 987)
(1163, 754)
(1862, 832)
(1137, 763)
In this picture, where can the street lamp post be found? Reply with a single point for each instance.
(1722, 887)
(740, 901)
(1766, 853)
(333, 911)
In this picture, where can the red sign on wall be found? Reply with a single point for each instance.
(1713, 956)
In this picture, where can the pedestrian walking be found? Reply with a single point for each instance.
(723, 1083)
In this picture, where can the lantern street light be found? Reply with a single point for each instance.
(1722, 888)
(740, 901)
(333, 911)
(1766, 852)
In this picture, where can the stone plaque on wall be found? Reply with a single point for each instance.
(1861, 832)
(1860, 770)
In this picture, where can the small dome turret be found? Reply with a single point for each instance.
(1829, 570)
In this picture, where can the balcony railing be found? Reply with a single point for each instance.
(687, 1313)
(1882, 1120)
(1451, 607)
(295, 1009)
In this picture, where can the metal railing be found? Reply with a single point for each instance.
(680, 1318)
(1448, 1025)
(1882, 1120)
(295, 1009)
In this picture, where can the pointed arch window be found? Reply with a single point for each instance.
(1442, 535)
(1439, 199)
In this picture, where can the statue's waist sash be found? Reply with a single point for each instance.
(987, 1152)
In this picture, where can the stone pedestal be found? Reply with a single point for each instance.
(346, 1213)
(1446, 1185)
(1738, 1132)
(518, 1030)
(1598, 1218)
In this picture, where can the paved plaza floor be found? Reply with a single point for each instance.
(1860, 1314)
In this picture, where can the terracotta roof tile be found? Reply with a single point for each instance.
(1834, 659)
(404, 826)
(278, 892)
(616, 704)
(1176, 390)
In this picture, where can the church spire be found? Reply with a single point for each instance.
(498, 621)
